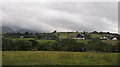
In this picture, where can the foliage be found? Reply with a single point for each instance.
(13, 45)
(55, 42)
(58, 45)
(98, 45)
(22, 45)
(7, 44)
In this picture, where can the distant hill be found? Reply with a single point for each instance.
(24, 30)
(6, 29)
(10, 30)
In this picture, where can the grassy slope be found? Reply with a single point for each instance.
(111, 42)
(47, 41)
(64, 35)
(57, 58)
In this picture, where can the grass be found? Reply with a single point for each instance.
(96, 35)
(24, 38)
(58, 58)
(65, 34)
(111, 42)
(83, 41)
(47, 41)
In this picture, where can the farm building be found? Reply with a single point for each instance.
(104, 38)
(114, 38)
(79, 36)
(25, 37)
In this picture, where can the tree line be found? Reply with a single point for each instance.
(9, 44)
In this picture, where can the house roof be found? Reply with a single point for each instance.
(79, 36)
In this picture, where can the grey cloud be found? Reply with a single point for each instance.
(66, 16)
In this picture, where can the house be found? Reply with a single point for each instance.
(104, 38)
(79, 36)
(21, 36)
(114, 38)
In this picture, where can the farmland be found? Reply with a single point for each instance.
(58, 58)
(60, 48)
(111, 42)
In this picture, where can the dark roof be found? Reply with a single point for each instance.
(79, 36)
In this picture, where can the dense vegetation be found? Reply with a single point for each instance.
(57, 45)
(59, 48)
(53, 42)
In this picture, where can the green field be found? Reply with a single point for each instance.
(58, 58)
(45, 41)
(110, 42)
(23, 38)
(96, 35)
(83, 41)
(65, 34)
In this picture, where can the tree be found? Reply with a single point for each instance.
(34, 44)
(95, 32)
(76, 31)
(78, 47)
(39, 36)
(84, 32)
(87, 36)
(26, 33)
(6, 44)
(118, 37)
(22, 45)
(44, 47)
(116, 48)
(98, 45)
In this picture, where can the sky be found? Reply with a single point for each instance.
(61, 16)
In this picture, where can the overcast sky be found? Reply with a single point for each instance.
(61, 16)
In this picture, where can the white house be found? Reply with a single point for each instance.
(21, 36)
(104, 38)
(80, 38)
(114, 38)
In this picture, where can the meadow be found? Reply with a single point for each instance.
(58, 58)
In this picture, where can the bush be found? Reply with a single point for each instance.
(22, 45)
(98, 45)
(61, 45)
(7, 44)
(44, 47)
(116, 48)
(34, 44)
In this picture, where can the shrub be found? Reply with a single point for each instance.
(22, 45)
